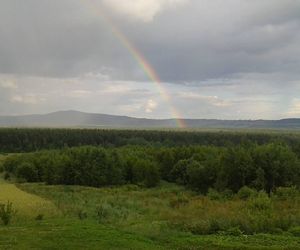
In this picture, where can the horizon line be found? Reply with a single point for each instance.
(146, 118)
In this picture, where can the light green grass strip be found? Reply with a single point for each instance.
(26, 204)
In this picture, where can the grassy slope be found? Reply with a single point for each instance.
(27, 205)
(69, 234)
(72, 234)
(138, 220)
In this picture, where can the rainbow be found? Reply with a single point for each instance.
(141, 60)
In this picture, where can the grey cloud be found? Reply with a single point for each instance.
(199, 40)
(224, 38)
(55, 38)
(244, 97)
(63, 55)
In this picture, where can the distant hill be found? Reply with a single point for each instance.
(81, 119)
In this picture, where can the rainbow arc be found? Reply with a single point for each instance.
(140, 59)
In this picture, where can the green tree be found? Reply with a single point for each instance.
(237, 169)
(179, 172)
(198, 176)
(27, 171)
(279, 163)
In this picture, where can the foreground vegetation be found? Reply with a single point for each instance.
(149, 190)
(165, 217)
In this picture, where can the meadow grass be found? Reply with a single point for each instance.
(26, 205)
(131, 217)
(177, 218)
(173, 207)
(75, 234)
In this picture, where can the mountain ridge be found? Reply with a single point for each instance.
(73, 118)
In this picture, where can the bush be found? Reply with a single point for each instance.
(214, 194)
(82, 215)
(198, 228)
(285, 193)
(7, 212)
(284, 222)
(179, 201)
(6, 176)
(216, 225)
(234, 231)
(260, 203)
(277, 231)
(103, 212)
(246, 193)
(27, 171)
(295, 231)
(227, 194)
(39, 217)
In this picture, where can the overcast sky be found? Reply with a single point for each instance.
(233, 59)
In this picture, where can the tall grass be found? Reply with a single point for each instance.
(160, 210)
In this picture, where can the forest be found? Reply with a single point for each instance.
(33, 139)
(220, 160)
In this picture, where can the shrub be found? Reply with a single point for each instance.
(131, 187)
(39, 217)
(295, 231)
(27, 171)
(6, 176)
(178, 201)
(215, 226)
(7, 212)
(214, 194)
(82, 215)
(260, 203)
(103, 212)
(246, 193)
(227, 194)
(284, 222)
(234, 231)
(285, 193)
(198, 228)
(276, 230)
(10, 163)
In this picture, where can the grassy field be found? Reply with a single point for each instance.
(74, 234)
(27, 205)
(130, 217)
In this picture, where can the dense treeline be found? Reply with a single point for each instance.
(28, 140)
(263, 167)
